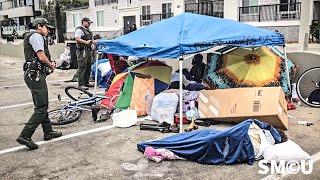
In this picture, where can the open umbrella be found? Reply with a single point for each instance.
(246, 67)
(122, 86)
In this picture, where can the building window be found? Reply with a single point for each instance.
(145, 12)
(15, 3)
(166, 10)
(288, 5)
(129, 2)
(76, 20)
(29, 3)
(100, 18)
(250, 6)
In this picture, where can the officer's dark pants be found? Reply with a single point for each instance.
(39, 93)
(84, 59)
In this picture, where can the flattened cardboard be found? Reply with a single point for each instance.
(234, 105)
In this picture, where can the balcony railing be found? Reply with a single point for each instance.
(274, 12)
(102, 2)
(209, 8)
(151, 18)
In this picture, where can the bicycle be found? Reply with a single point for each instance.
(308, 87)
(71, 112)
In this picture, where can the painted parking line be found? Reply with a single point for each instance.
(19, 85)
(315, 158)
(28, 103)
(31, 103)
(81, 133)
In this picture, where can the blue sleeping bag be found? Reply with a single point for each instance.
(211, 146)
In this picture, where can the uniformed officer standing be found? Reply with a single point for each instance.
(37, 66)
(84, 38)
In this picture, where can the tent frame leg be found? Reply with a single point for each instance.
(180, 94)
(96, 75)
(287, 68)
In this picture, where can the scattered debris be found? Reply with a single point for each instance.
(307, 123)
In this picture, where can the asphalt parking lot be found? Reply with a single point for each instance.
(110, 153)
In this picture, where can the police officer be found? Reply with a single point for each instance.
(37, 66)
(84, 38)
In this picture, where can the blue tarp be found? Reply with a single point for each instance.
(211, 146)
(187, 34)
(101, 80)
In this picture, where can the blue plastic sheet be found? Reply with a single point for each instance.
(211, 146)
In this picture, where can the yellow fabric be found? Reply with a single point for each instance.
(257, 67)
(161, 73)
(118, 76)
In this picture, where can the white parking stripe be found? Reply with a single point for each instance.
(31, 103)
(27, 104)
(60, 138)
(315, 158)
(18, 85)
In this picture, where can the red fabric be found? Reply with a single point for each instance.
(291, 106)
(117, 65)
(112, 94)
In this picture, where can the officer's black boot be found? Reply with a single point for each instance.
(51, 135)
(27, 142)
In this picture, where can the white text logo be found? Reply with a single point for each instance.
(283, 167)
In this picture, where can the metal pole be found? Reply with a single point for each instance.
(96, 75)
(180, 93)
(287, 68)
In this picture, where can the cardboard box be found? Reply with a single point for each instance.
(234, 105)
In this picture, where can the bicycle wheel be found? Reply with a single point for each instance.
(309, 82)
(64, 116)
(77, 94)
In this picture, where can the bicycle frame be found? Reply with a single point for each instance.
(81, 103)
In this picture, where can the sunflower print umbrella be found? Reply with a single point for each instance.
(246, 67)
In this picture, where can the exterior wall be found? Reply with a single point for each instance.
(6, 5)
(114, 13)
(18, 12)
(111, 20)
(291, 33)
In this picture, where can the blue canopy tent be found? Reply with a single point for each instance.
(186, 34)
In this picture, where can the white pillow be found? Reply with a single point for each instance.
(287, 151)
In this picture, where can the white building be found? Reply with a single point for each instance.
(111, 16)
(21, 12)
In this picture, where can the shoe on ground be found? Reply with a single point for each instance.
(89, 85)
(83, 87)
(51, 135)
(27, 142)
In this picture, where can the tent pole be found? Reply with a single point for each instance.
(180, 93)
(96, 74)
(287, 67)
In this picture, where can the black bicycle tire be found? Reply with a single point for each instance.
(67, 119)
(66, 90)
(298, 89)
